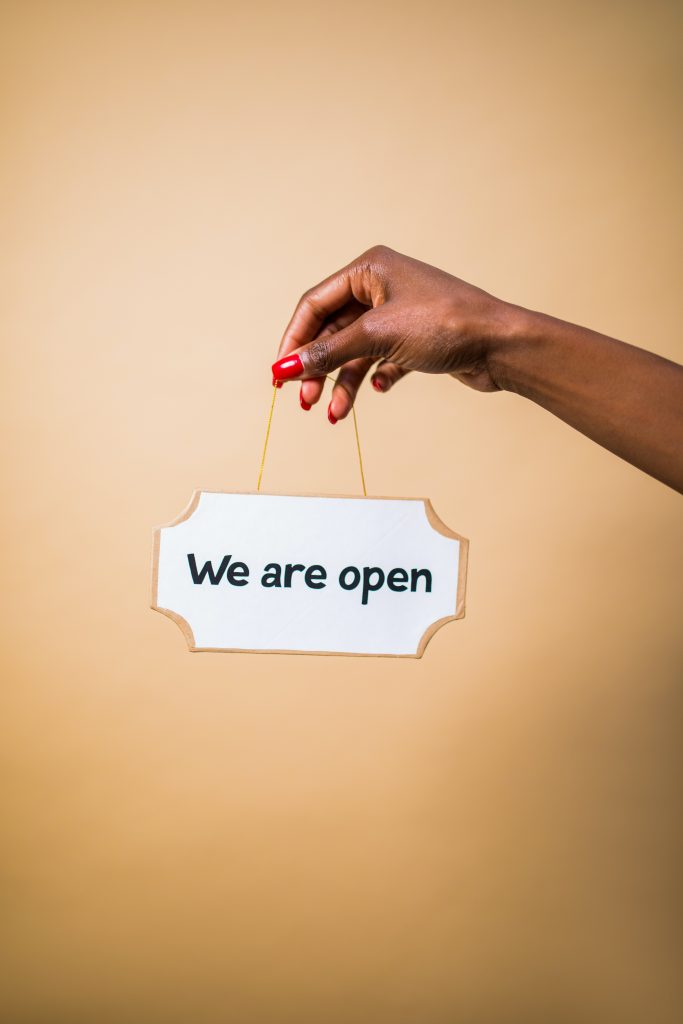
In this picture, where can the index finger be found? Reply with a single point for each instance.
(314, 307)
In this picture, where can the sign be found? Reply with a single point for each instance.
(309, 575)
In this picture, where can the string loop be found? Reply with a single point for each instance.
(270, 421)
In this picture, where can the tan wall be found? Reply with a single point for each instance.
(489, 835)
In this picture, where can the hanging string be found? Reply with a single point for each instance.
(270, 420)
(265, 443)
(360, 457)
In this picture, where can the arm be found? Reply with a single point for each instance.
(628, 400)
(410, 316)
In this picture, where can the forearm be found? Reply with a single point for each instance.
(628, 400)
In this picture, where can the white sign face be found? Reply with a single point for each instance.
(310, 575)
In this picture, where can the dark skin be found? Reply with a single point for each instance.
(388, 309)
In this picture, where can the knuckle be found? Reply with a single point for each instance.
(379, 254)
(319, 354)
(309, 299)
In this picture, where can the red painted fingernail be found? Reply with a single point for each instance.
(277, 383)
(290, 366)
(378, 384)
(303, 403)
(330, 415)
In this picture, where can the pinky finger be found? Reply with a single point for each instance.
(386, 375)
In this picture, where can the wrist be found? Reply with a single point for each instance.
(512, 347)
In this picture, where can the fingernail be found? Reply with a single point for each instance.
(303, 403)
(330, 415)
(277, 383)
(378, 384)
(290, 366)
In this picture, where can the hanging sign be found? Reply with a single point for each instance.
(309, 575)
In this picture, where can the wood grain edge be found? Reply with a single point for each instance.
(182, 623)
(462, 578)
(429, 633)
(328, 654)
(317, 494)
(463, 555)
(190, 508)
(156, 543)
(155, 567)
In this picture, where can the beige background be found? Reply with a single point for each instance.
(489, 835)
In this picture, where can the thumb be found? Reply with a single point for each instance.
(330, 351)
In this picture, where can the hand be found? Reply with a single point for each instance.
(409, 316)
(388, 307)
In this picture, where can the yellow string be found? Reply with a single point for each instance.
(270, 420)
(265, 443)
(360, 457)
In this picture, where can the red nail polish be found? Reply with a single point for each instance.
(290, 366)
(330, 415)
(303, 403)
(277, 383)
(378, 384)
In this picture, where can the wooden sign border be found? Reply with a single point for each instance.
(435, 522)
